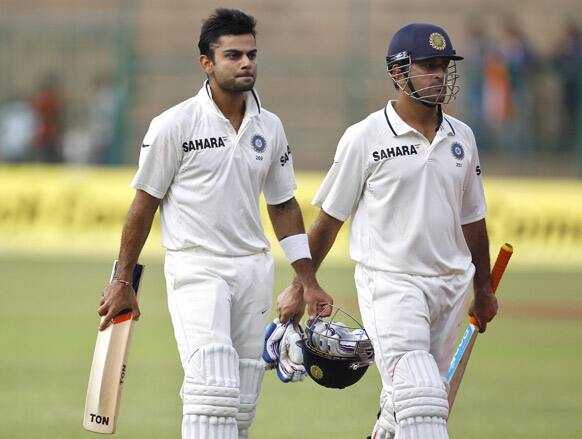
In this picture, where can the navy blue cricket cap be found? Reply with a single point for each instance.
(420, 41)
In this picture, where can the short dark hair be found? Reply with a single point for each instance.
(224, 22)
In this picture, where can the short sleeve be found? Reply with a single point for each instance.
(342, 187)
(159, 159)
(474, 207)
(280, 183)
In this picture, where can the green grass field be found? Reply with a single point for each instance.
(524, 379)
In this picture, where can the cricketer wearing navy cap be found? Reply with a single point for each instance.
(422, 42)
(408, 178)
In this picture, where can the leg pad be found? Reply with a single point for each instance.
(251, 377)
(210, 393)
(420, 397)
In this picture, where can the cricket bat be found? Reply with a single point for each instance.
(461, 357)
(109, 367)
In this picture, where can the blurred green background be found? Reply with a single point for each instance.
(82, 79)
(523, 380)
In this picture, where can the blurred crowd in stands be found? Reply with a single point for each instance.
(516, 99)
(33, 129)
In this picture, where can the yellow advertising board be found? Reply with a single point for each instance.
(80, 211)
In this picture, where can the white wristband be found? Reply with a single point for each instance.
(296, 247)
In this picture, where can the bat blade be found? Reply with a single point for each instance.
(109, 368)
(463, 353)
(460, 360)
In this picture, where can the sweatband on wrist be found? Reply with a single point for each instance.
(296, 247)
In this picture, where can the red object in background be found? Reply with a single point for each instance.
(48, 105)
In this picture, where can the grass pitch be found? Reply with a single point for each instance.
(523, 381)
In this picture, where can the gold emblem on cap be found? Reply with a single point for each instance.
(437, 41)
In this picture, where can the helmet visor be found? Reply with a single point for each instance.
(423, 86)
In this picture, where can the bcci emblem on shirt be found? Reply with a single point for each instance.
(458, 151)
(259, 143)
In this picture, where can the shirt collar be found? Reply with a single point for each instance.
(399, 128)
(252, 101)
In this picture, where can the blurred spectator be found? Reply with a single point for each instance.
(49, 106)
(102, 113)
(497, 105)
(568, 65)
(478, 47)
(77, 147)
(519, 58)
(17, 129)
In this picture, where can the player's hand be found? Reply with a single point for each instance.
(115, 298)
(316, 299)
(484, 307)
(290, 304)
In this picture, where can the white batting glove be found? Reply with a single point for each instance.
(290, 367)
(334, 338)
(281, 351)
(273, 335)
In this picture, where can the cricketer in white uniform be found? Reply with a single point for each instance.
(409, 178)
(205, 162)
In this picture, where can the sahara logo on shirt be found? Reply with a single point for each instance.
(285, 157)
(395, 151)
(198, 144)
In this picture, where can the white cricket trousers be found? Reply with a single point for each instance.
(219, 307)
(403, 313)
(219, 299)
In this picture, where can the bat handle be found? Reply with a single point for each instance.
(501, 262)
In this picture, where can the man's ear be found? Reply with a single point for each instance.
(397, 73)
(206, 64)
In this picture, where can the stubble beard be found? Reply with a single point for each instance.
(232, 86)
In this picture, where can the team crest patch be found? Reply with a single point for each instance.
(259, 143)
(316, 372)
(437, 41)
(458, 151)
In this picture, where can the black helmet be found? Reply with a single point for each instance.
(335, 355)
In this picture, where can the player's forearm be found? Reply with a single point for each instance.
(322, 235)
(304, 273)
(286, 219)
(478, 243)
(136, 229)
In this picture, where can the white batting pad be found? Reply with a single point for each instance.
(208, 427)
(251, 376)
(210, 393)
(420, 398)
(380, 432)
(385, 426)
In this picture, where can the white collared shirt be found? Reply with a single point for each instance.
(407, 198)
(209, 177)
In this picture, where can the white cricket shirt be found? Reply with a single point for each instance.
(407, 198)
(209, 177)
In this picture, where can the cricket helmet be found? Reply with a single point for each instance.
(420, 42)
(336, 355)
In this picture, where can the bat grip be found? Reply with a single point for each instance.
(499, 267)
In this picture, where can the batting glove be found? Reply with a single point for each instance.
(281, 351)
(273, 335)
